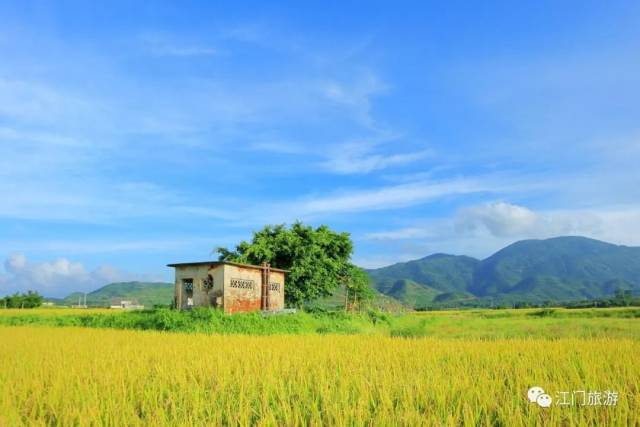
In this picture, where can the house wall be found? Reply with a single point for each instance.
(242, 289)
(235, 288)
(245, 292)
(276, 290)
(199, 273)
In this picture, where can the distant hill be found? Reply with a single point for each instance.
(412, 293)
(152, 293)
(557, 269)
(380, 300)
(146, 293)
(442, 272)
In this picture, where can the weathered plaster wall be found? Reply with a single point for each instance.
(236, 288)
(276, 290)
(201, 296)
(242, 289)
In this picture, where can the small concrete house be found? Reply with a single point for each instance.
(230, 286)
(127, 304)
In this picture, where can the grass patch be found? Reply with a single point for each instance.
(460, 324)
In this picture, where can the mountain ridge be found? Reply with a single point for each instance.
(146, 293)
(562, 268)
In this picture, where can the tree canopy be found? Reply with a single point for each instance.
(29, 299)
(357, 286)
(319, 259)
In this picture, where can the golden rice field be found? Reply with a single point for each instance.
(74, 376)
(62, 311)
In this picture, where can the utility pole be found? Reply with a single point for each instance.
(346, 298)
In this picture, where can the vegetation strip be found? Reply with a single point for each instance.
(476, 324)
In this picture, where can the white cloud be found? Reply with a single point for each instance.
(111, 245)
(356, 95)
(379, 261)
(165, 44)
(58, 277)
(279, 147)
(401, 234)
(483, 229)
(170, 50)
(390, 197)
(15, 263)
(37, 102)
(505, 220)
(358, 157)
(500, 219)
(13, 135)
(75, 199)
(508, 222)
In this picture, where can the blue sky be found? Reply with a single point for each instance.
(134, 136)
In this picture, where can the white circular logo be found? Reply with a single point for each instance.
(536, 394)
(544, 400)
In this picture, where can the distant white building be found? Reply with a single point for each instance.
(127, 304)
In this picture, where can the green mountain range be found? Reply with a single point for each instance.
(557, 269)
(146, 293)
(534, 271)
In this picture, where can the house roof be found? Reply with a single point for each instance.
(217, 263)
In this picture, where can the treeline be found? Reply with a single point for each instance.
(30, 299)
(620, 298)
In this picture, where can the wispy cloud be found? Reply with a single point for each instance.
(361, 158)
(13, 135)
(175, 130)
(479, 230)
(165, 44)
(280, 147)
(168, 50)
(357, 94)
(402, 234)
(391, 197)
(97, 200)
(27, 100)
(124, 244)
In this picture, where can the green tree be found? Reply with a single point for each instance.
(357, 285)
(318, 259)
(30, 299)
